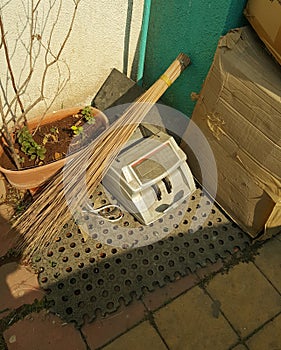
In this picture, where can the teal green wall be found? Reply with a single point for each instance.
(192, 27)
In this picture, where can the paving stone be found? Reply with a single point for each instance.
(154, 300)
(141, 337)
(269, 262)
(102, 330)
(246, 297)
(240, 347)
(18, 286)
(269, 337)
(43, 331)
(189, 323)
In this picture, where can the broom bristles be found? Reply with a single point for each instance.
(46, 216)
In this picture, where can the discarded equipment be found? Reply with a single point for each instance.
(150, 176)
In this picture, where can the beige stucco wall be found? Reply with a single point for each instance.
(97, 44)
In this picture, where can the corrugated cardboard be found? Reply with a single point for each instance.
(239, 113)
(265, 17)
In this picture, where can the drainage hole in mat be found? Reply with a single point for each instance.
(93, 299)
(110, 305)
(64, 298)
(60, 286)
(221, 242)
(50, 253)
(100, 282)
(196, 240)
(92, 260)
(68, 234)
(61, 249)
(44, 280)
(85, 276)
(192, 255)
(87, 250)
(105, 293)
(134, 266)
(65, 259)
(69, 310)
(117, 288)
(118, 261)
(77, 292)
(76, 254)
(68, 269)
(89, 287)
(81, 265)
(72, 280)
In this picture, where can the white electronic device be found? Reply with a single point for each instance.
(150, 176)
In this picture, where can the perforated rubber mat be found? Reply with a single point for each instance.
(86, 279)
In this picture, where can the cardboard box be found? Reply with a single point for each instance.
(265, 17)
(239, 113)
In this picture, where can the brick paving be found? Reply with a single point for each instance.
(239, 309)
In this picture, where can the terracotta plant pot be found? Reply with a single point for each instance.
(34, 177)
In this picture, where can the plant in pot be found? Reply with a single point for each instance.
(32, 150)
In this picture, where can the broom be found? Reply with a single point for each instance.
(49, 212)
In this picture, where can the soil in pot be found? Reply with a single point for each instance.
(59, 141)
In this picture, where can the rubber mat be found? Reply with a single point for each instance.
(85, 279)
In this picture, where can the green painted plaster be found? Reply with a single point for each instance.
(193, 27)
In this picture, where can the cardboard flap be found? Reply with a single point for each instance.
(273, 224)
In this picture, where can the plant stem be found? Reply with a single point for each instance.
(7, 136)
(3, 39)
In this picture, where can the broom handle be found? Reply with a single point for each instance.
(135, 113)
